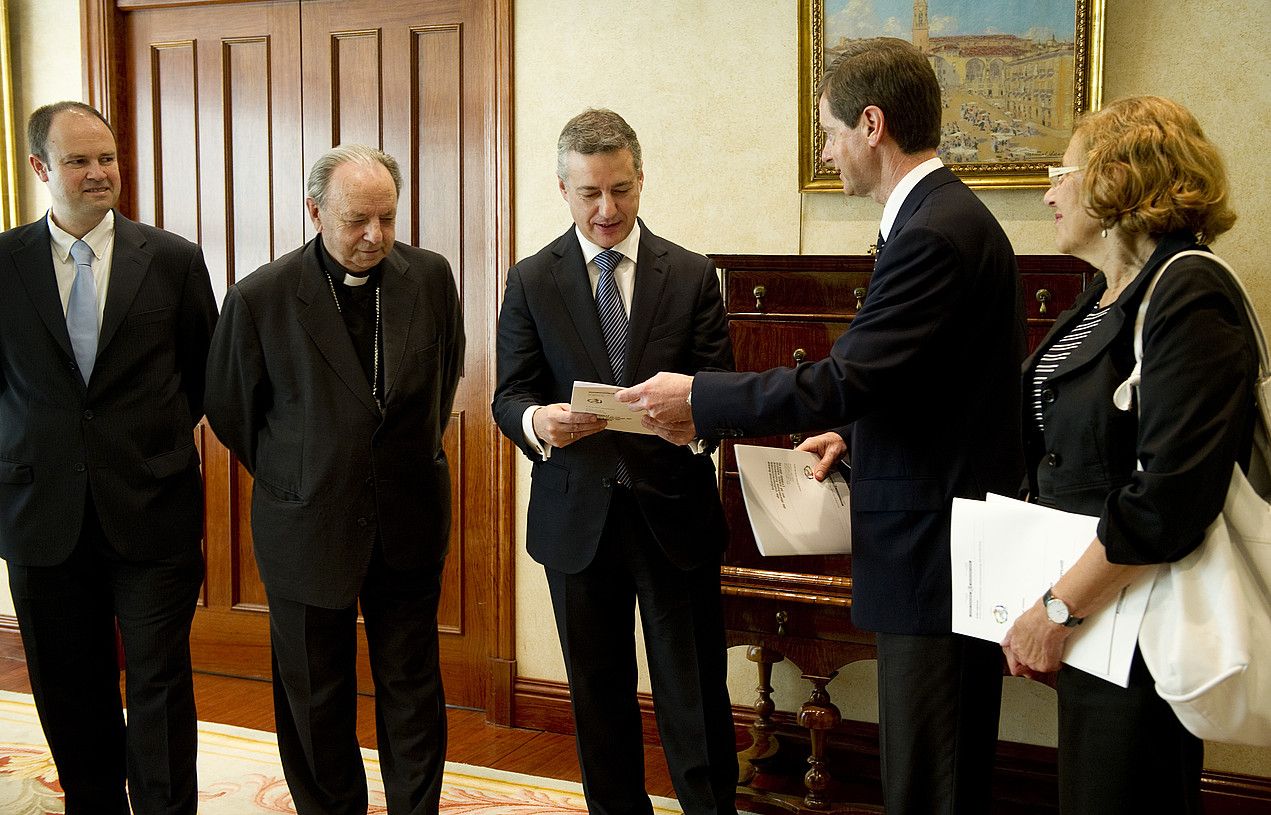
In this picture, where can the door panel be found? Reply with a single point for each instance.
(227, 106)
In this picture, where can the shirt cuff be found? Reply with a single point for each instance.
(527, 428)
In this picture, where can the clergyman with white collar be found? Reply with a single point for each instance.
(331, 378)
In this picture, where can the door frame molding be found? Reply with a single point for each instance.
(103, 68)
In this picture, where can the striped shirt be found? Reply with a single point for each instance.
(1059, 351)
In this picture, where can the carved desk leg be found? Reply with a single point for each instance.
(762, 744)
(819, 716)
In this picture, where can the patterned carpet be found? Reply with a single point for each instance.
(239, 774)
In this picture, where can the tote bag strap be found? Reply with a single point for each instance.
(1125, 396)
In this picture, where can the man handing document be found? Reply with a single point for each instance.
(925, 385)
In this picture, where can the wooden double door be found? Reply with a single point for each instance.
(221, 108)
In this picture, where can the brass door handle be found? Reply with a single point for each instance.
(1043, 297)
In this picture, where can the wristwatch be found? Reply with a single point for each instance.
(1057, 611)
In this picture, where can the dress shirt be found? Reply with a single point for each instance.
(101, 239)
(624, 274)
(898, 195)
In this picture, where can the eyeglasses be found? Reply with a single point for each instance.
(1057, 174)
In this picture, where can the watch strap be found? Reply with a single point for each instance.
(1072, 622)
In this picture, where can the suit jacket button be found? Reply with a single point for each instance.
(362, 522)
(79, 468)
(606, 482)
(88, 415)
(1048, 395)
(1052, 459)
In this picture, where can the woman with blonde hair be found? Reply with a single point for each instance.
(1141, 184)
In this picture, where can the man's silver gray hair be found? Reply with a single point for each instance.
(595, 130)
(320, 172)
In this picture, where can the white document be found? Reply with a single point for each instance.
(1006, 553)
(597, 398)
(791, 513)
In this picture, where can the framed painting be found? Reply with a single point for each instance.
(1013, 77)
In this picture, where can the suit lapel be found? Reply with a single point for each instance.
(570, 276)
(650, 282)
(398, 296)
(129, 262)
(324, 325)
(33, 260)
(1097, 342)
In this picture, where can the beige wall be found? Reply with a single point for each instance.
(711, 88)
(44, 70)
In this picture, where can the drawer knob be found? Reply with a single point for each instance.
(799, 356)
(759, 292)
(781, 623)
(796, 439)
(859, 292)
(1043, 297)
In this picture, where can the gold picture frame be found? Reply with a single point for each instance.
(1015, 103)
(8, 132)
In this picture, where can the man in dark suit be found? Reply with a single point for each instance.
(331, 378)
(620, 517)
(104, 330)
(925, 387)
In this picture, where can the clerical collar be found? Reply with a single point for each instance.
(338, 273)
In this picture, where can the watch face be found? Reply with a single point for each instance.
(1057, 611)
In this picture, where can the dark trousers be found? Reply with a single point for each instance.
(684, 640)
(67, 614)
(315, 694)
(939, 697)
(1123, 749)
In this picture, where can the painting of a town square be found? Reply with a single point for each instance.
(1010, 72)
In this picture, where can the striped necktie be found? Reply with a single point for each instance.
(81, 310)
(613, 324)
(613, 317)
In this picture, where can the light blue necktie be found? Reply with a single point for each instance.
(613, 324)
(81, 310)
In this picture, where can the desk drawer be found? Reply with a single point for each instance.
(773, 621)
(811, 293)
(762, 344)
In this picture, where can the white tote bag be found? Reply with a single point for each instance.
(1206, 636)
